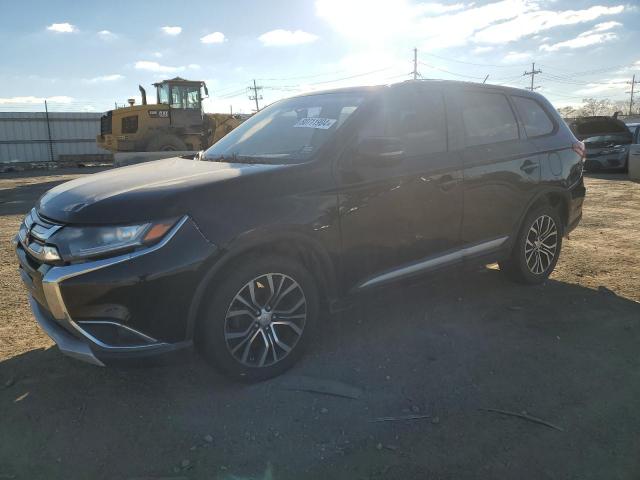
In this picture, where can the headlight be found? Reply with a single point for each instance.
(78, 243)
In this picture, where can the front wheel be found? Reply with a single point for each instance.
(537, 247)
(260, 318)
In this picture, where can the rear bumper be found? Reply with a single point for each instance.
(577, 194)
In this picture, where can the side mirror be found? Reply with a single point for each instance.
(379, 151)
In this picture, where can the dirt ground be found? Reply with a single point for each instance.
(444, 349)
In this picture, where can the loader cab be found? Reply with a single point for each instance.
(184, 98)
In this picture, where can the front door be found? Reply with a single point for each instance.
(394, 215)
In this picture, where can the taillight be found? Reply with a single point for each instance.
(578, 147)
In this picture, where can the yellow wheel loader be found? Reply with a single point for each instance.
(175, 123)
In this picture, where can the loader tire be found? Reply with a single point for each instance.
(166, 143)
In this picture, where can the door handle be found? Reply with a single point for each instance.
(528, 166)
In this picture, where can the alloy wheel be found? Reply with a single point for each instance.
(265, 320)
(541, 244)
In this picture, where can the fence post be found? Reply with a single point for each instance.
(46, 112)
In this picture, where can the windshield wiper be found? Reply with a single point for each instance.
(268, 159)
(221, 158)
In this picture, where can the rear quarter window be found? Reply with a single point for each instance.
(487, 118)
(535, 119)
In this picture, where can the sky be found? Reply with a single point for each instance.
(86, 56)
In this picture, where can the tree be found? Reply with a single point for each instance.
(568, 112)
(593, 106)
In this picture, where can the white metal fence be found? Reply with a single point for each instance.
(42, 137)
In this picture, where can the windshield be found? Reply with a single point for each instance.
(289, 131)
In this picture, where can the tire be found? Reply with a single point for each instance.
(240, 343)
(533, 257)
(166, 143)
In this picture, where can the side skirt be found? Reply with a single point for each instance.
(435, 262)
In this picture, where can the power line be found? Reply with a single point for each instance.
(473, 63)
(450, 72)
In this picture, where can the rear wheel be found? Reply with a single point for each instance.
(537, 247)
(166, 143)
(260, 318)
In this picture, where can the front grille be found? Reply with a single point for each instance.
(105, 123)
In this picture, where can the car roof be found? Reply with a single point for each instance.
(432, 82)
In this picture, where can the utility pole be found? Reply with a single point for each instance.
(533, 73)
(255, 95)
(46, 113)
(415, 63)
(633, 83)
(485, 79)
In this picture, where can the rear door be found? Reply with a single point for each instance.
(395, 215)
(501, 168)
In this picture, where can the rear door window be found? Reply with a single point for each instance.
(487, 118)
(535, 120)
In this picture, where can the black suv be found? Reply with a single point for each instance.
(313, 199)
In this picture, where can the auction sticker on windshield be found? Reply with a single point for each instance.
(315, 122)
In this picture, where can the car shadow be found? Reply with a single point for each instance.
(445, 345)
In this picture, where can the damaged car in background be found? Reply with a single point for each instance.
(606, 140)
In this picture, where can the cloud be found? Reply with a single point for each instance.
(439, 8)
(516, 57)
(107, 35)
(484, 49)
(194, 66)
(157, 54)
(580, 41)
(534, 21)
(62, 28)
(173, 31)
(498, 22)
(34, 100)
(595, 36)
(601, 27)
(282, 38)
(215, 37)
(156, 67)
(610, 85)
(105, 78)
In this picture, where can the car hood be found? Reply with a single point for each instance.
(148, 191)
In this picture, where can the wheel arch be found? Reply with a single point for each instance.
(558, 198)
(309, 252)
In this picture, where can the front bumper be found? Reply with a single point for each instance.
(597, 161)
(126, 307)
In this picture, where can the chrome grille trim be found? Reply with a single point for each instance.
(39, 230)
